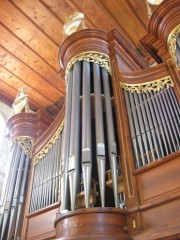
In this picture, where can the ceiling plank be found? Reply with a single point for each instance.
(61, 8)
(125, 18)
(29, 33)
(39, 14)
(19, 69)
(22, 51)
(17, 83)
(139, 9)
(94, 12)
(23, 71)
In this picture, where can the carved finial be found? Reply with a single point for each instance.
(155, 2)
(74, 23)
(21, 101)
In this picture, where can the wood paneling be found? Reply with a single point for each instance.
(32, 33)
(160, 181)
(43, 18)
(41, 224)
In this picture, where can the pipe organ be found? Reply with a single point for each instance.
(154, 122)
(15, 188)
(108, 165)
(90, 132)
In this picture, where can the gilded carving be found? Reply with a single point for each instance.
(96, 57)
(25, 143)
(154, 86)
(172, 44)
(49, 145)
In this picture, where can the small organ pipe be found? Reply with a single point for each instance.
(155, 123)
(172, 116)
(149, 127)
(161, 122)
(137, 129)
(167, 121)
(132, 129)
(142, 128)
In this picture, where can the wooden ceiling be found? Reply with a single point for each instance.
(31, 32)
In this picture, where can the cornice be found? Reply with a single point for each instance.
(125, 50)
(86, 40)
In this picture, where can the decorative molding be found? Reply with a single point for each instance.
(154, 86)
(96, 57)
(171, 44)
(25, 143)
(49, 145)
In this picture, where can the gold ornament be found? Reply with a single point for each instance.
(154, 86)
(49, 145)
(25, 143)
(96, 57)
(171, 43)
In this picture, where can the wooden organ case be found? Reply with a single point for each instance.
(108, 167)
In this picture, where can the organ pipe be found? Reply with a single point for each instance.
(86, 131)
(15, 188)
(158, 121)
(100, 144)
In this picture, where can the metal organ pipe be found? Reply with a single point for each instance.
(80, 150)
(65, 144)
(100, 144)
(158, 120)
(14, 195)
(111, 136)
(74, 161)
(86, 131)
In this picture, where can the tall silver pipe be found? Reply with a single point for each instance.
(23, 188)
(86, 132)
(100, 145)
(8, 183)
(16, 196)
(65, 144)
(9, 200)
(111, 135)
(74, 158)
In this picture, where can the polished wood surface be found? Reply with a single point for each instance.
(34, 125)
(32, 32)
(41, 223)
(92, 223)
(152, 192)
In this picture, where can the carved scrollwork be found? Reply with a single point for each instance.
(96, 57)
(49, 145)
(25, 143)
(154, 86)
(172, 44)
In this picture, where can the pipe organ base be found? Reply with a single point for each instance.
(92, 223)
